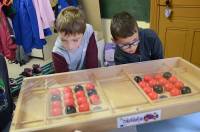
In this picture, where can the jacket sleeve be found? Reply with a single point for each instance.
(60, 64)
(91, 60)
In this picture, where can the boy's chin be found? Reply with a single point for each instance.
(71, 51)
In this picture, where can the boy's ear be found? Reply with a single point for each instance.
(113, 39)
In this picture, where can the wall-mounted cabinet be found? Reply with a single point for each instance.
(180, 33)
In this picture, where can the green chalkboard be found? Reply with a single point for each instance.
(139, 8)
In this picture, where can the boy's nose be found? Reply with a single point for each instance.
(70, 47)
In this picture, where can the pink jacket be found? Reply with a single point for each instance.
(45, 15)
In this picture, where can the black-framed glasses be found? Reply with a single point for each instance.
(127, 46)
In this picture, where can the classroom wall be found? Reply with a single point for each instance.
(139, 8)
(92, 11)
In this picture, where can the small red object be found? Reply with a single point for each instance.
(84, 107)
(56, 111)
(69, 102)
(173, 79)
(67, 90)
(168, 86)
(162, 81)
(147, 89)
(152, 82)
(80, 94)
(175, 92)
(178, 84)
(153, 95)
(147, 78)
(55, 91)
(158, 76)
(68, 95)
(143, 84)
(81, 100)
(55, 104)
(89, 86)
(94, 99)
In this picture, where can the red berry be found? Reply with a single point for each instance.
(162, 81)
(56, 111)
(158, 76)
(175, 92)
(147, 78)
(69, 102)
(147, 89)
(68, 95)
(168, 86)
(152, 83)
(55, 104)
(143, 84)
(81, 100)
(178, 84)
(84, 107)
(80, 94)
(89, 86)
(173, 79)
(55, 91)
(94, 99)
(153, 95)
(67, 90)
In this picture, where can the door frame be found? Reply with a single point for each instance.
(154, 15)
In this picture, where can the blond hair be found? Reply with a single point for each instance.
(71, 20)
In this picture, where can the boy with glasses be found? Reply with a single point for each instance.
(133, 44)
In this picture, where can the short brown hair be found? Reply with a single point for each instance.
(123, 25)
(71, 20)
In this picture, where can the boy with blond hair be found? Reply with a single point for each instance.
(75, 47)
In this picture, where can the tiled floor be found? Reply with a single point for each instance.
(15, 69)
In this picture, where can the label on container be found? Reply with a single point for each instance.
(137, 119)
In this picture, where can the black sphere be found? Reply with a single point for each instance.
(91, 92)
(185, 90)
(78, 88)
(70, 109)
(137, 79)
(167, 75)
(55, 98)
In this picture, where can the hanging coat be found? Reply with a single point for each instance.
(9, 11)
(45, 15)
(7, 46)
(26, 26)
(65, 3)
